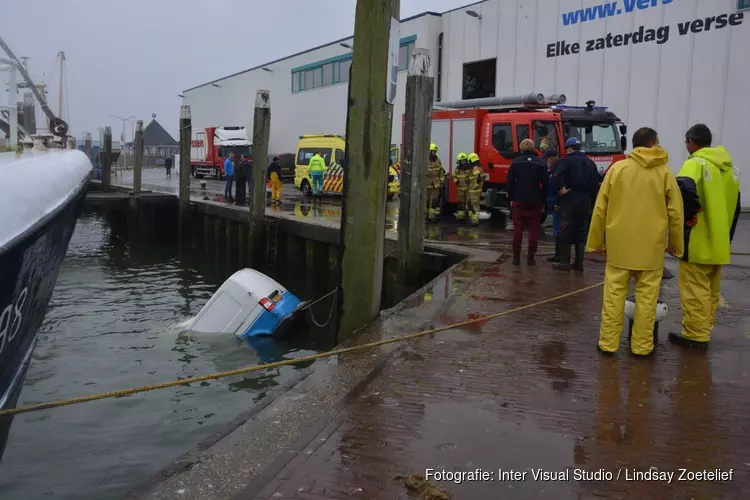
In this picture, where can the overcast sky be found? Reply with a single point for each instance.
(134, 57)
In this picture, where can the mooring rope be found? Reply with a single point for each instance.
(286, 362)
(330, 314)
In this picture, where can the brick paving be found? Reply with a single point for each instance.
(528, 391)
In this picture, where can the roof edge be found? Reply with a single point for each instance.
(334, 42)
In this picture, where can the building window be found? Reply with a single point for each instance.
(404, 56)
(743, 5)
(336, 69)
(328, 74)
(295, 82)
(344, 70)
(308, 82)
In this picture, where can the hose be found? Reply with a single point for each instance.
(286, 362)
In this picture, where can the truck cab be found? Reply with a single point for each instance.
(210, 148)
(494, 128)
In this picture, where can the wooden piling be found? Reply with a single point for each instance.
(107, 160)
(186, 133)
(420, 88)
(368, 141)
(138, 167)
(261, 134)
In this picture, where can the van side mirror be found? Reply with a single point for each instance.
(624, 129)
(624, 142)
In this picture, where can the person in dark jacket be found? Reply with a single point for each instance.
(168, 165)
(239, 174)
(528, 180)
(575, 183)
(552, 157)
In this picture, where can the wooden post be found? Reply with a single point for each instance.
(261, 134)
(420, 89)
(107, 160)
(186, 136)
(138, 166)
(368, 141)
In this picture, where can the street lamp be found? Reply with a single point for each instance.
(181, 96)
(473, 14)
(122, 146)
(267, 69)
(216, 85)
(346, 46)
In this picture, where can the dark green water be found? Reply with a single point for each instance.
(113, 324)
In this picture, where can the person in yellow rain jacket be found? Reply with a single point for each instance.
(711, 190)
(638, 206)
(476, 181)
(274, 177)
(461, 178)
(435, 178)
(317, 169)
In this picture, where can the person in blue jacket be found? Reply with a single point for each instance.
(229, 174)
(551, 156)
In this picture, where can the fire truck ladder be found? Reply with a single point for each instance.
(272, 230)
(507, 102)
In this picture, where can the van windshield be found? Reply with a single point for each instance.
(596, 138)
(304, 155)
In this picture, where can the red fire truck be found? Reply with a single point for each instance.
(494, 127)
(210, 147)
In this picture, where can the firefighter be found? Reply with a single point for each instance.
(575, 185)
(461, 179)
(476, 181)
(634, 231)
(710, 185)
(435, 178)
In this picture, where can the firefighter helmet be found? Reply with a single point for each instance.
(473, 158)
(433, 147)
(461, 157)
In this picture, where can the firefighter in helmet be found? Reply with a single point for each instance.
(476, 180)
(461, 176)
(435, 178)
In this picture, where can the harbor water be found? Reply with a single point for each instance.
(113, 324)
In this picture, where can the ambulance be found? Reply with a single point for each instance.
(331, 148)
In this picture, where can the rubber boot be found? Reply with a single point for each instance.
(460, 215)
(556, 257)
(564, 263)
(580, 253)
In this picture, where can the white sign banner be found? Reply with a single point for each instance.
(393, 49)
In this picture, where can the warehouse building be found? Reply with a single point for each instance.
(662, 63)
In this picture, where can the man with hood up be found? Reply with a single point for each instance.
(710, 186)
(638, 206)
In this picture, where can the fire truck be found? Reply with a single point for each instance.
(494, 127)
(210, 148)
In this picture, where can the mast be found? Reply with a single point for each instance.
(60, 90)
(56, 124)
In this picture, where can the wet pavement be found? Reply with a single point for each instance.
(528, 393)
(515, 396)
(325, 212)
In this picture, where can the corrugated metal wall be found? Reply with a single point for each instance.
(690, 78)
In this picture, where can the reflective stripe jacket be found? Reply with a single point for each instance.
(317, 164)
(711, 188)
(435, 174)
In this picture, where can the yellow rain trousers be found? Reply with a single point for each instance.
(616, 285)
(700, 285)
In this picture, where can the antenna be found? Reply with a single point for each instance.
(60, 90)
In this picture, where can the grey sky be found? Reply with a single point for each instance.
(133, 58)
